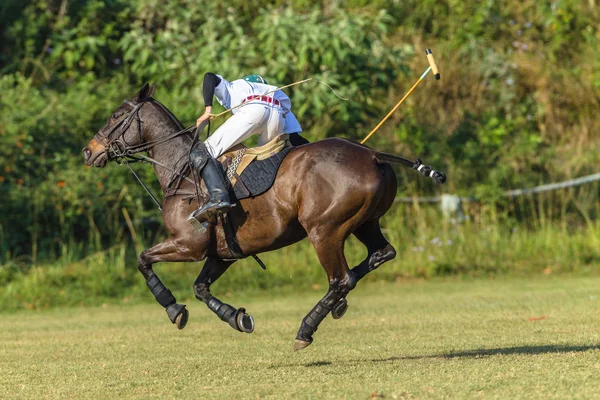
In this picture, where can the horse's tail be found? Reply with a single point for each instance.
(390, 158)
(426, 170)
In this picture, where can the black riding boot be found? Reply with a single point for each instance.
(218, 202)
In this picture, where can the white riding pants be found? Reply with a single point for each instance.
(263, 119)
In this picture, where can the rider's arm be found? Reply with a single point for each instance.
(211, 81)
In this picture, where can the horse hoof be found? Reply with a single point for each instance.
(182, 319)
(178, 315)
(339, 309)
(245, 322)
(301, 344)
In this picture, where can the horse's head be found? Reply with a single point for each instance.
(122, 131)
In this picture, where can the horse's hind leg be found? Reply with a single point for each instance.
(211, 271)
(341, 281)
(380, 250)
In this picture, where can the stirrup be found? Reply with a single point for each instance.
(199, 226)
(210, 212)
(213, 210)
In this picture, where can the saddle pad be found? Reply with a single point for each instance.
(240, 156)
(258, 176)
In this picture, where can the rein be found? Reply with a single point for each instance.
(117, 149)
(144, 186)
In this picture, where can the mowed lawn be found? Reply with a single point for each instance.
(502, 338)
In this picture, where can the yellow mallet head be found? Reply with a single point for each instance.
(434, 68)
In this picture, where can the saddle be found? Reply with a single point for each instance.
(252, 171)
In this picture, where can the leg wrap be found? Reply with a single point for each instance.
(163, 295)
(237, 319)
(199, 156)
(223, 311)
(311, 322)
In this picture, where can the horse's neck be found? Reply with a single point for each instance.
(170, 153)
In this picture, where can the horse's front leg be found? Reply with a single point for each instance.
(169, 250)
(213, 268)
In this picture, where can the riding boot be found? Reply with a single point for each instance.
(218, 202)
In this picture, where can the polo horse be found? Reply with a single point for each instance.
(326, 191)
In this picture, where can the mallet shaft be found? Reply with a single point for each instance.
(396, 107)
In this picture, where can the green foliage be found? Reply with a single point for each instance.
(516, 105)
(176, 46)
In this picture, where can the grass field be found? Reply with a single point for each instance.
(504, 338)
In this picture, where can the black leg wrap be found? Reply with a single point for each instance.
(224, 311)
(311, 322)
(163, 295)
(237, 319)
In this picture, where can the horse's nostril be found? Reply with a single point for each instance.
(86, 153)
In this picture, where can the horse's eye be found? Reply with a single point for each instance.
(115, 116)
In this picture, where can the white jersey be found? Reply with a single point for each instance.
(231, 94)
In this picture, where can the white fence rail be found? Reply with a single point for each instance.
(509, 193)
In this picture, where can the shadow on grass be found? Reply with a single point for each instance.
(523, 350)
(479, 353)
(317, 364)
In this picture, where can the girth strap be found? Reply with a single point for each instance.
(232, 243)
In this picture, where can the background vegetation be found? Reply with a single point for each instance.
(516, 107)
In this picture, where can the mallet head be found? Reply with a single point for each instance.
(434, 68)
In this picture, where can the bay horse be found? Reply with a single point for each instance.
(326, 191)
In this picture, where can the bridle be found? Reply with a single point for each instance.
(117, 148)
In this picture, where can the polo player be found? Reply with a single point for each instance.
(265, 111)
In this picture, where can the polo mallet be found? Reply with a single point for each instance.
(436, 73)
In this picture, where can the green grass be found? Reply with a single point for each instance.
(445, 338)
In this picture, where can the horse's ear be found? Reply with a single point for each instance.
(145, 93)
(151, 90)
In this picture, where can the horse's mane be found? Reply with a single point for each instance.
(189, 135)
